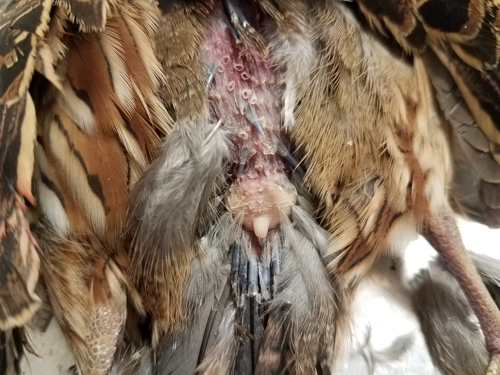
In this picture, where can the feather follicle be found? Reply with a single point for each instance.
(243, 94)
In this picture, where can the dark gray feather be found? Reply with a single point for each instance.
(476, 179)
(489, 269)
(172, 197)
(453, 335)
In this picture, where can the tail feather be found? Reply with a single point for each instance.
(222, 356)
(305, 290)
(251, 312)
(205, 296)
(271, 360)
(182, 353)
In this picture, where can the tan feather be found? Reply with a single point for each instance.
(88, 294)
(177, 46)
(95, 136)
(465, 38)
(363, 201)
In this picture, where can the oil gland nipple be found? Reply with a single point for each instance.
(261, 226)
(261, 203)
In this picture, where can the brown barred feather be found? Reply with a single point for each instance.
(469, 26)
(89, 15)
(22, 25)
(96, 135)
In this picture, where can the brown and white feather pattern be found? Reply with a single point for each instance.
(22, 26)
(469, 27)
(95, 136)
(464, 36)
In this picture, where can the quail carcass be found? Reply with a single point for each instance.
(213, 178)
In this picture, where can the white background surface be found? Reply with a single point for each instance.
(381, 307)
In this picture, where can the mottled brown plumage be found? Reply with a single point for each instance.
(22, 25)
(96, 135)
(299, 147)
(464, 36)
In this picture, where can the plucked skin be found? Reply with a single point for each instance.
(300, 141)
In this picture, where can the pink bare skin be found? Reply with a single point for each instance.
(244, 94)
